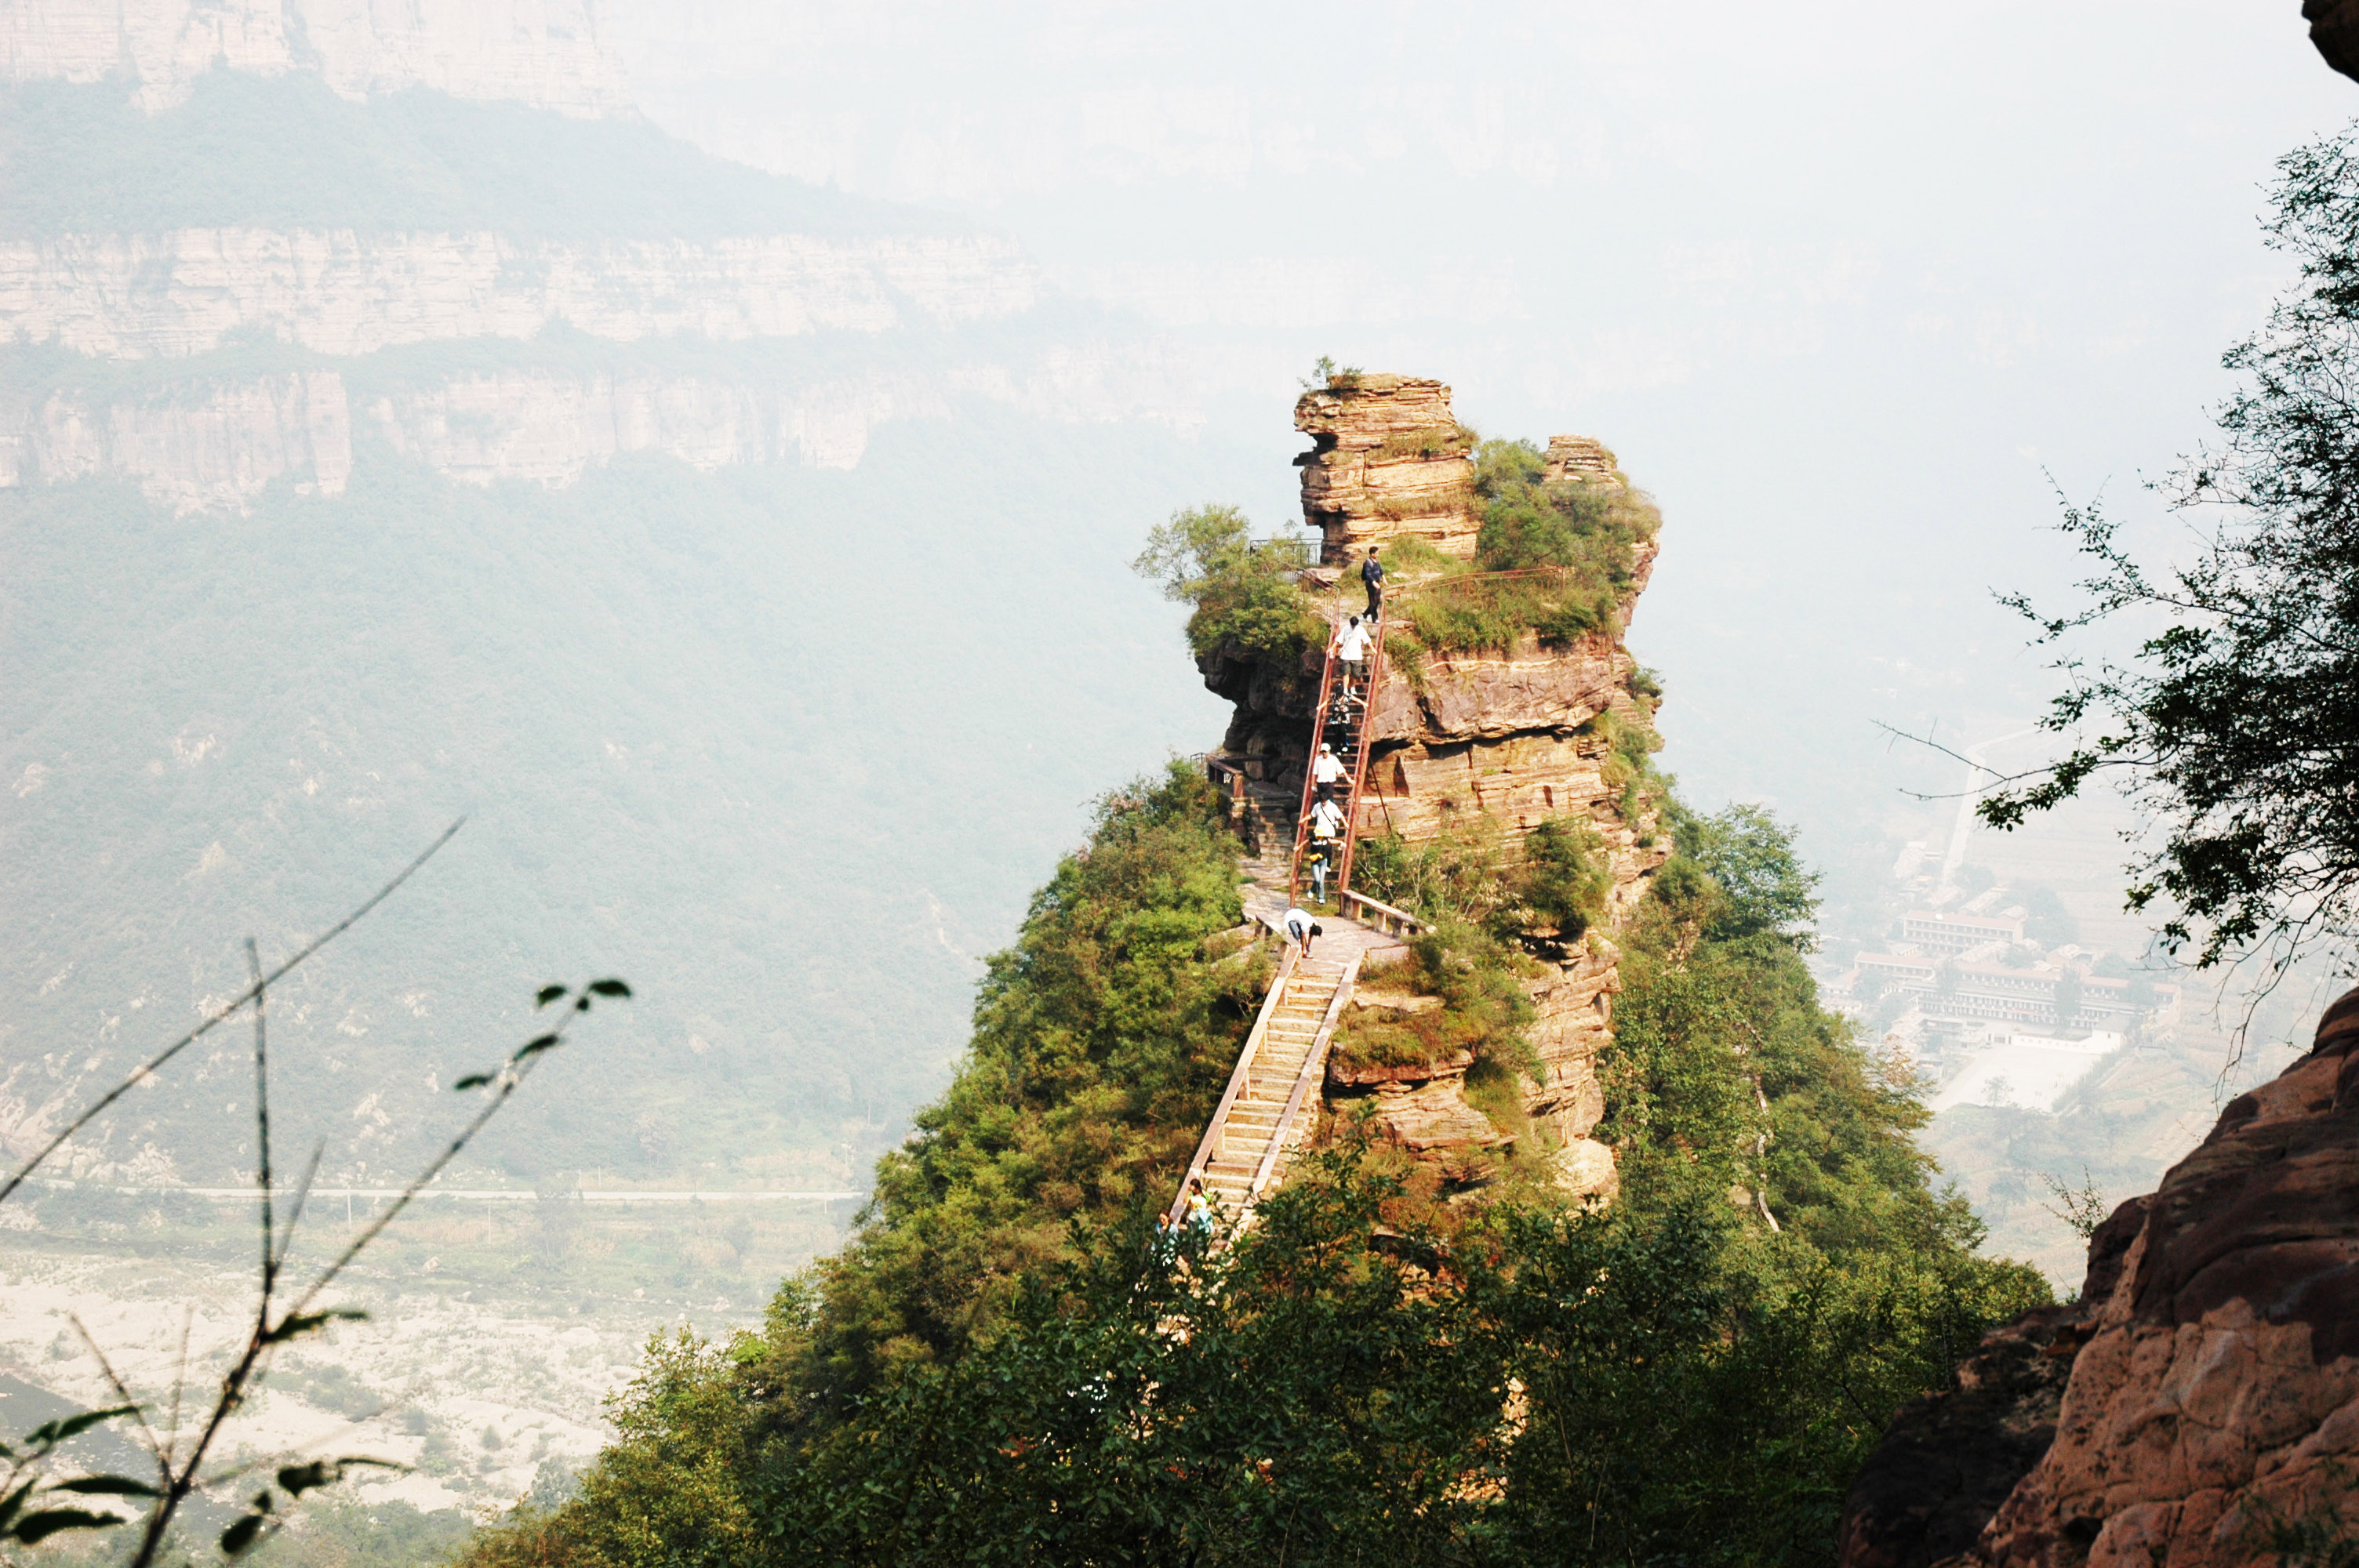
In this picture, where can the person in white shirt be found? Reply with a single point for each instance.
(1327, 820)
(1327, 768)
(1301, 929)
(1351, 647)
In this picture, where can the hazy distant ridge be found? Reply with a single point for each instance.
(545, 53)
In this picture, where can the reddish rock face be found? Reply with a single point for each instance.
(2334, 28)
(2213, 1392)
(1389, 461)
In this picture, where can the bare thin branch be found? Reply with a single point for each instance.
(180, 1385)
(511, 1081)
(261, 1118)
(302, 1196)
(122, 1393)
(222, 1014)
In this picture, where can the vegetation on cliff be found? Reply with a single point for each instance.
(1244, 591)
(1571, 544)
(1555, 558)
(999, 1369)
(1101, 1041)
(1725, 1075)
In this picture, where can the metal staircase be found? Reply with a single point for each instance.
(1341, 720)
(1272, 1097)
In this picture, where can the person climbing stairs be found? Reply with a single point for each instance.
(1275, 1090)
(1336, 764)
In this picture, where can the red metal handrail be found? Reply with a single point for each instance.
(1309, 762)
(1360, 762)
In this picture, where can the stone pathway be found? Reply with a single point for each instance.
(1340, 937)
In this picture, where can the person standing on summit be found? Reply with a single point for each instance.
(1372, 572)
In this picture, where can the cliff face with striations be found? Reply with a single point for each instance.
(187, 292)
(1388, 460)
(546, 53)
(209, 362)
(1519, 735)
(199, 443)
(2200, 1397)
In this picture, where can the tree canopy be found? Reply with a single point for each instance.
(2236, 724)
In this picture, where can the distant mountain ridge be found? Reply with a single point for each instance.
(267, 267)
(374, 451)
(544, 53)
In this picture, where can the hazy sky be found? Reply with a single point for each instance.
(1836, 280)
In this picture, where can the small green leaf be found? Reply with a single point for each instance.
(240, 1537)
(48, 1435)
(581, 1006)
(106, 1486)
(472, 1081)
(610, 988)
(534, 1047)
(301, 1322)
(548, 994)
(46, 1522)
(15, 1500)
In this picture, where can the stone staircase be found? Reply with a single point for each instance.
(1251, 1143)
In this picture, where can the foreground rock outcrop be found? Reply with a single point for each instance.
(2334, 28)
(2199, 1399)
(1514, 736)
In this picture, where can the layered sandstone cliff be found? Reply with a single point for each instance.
(189, 291)
(1514, 736)
(199, 442)
(209, 364)
(1388, 460)
(2198, 1407)
(546, 53)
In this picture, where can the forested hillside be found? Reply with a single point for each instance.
(1002, 1367)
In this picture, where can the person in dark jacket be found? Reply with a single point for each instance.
(1372, 572)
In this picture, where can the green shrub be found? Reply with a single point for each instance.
(1243, 590)
(1567, 877)
(1571, 544)
(1101, 1040)
(1456, 874)
(1483, 1010)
